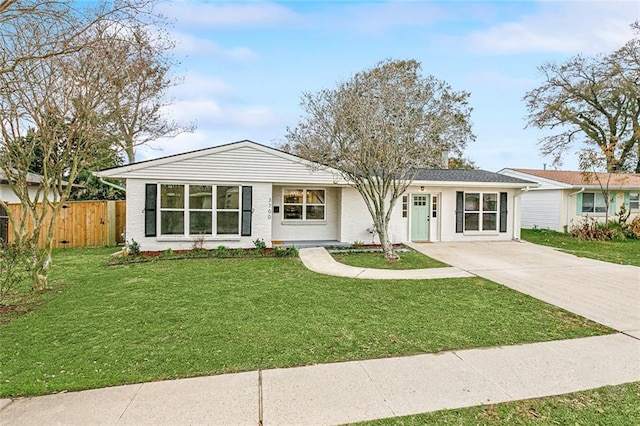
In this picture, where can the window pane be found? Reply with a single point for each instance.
(172, 223)
(292, 212)
(200, 197)
(200, 223)
(227, 197)
(315, 212)
(471, 221)
(405, 201)
(601, 207)
(587, 202)
(293, 196)
(489, 221)
(228, 223)
(315, 196)
(490, 202)
(472, 202)
(634, 200)
(172, 196)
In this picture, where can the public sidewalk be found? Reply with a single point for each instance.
(349, 391)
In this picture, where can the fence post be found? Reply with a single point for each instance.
(111, 223)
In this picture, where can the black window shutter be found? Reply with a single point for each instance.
(459, 211)
(503, 212)
(247, 207)
(150, 203)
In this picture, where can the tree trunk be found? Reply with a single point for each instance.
(389, 253)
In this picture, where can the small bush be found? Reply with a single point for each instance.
(260, 245)
(589, 229)
(634, 228)
(198, 244)
(133, 247)
(220, 251)
(14, 273)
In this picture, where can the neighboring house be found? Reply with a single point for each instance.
(8, 196)
(234, 194)
(564, 198)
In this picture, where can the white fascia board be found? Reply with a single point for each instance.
(458, 184)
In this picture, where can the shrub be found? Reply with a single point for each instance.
(260, 245)
(634, 228)
(198, 244)
(220, 251)
(132, 248)
(589, 229)
(13, 270)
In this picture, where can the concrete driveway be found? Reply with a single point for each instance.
(603, 292)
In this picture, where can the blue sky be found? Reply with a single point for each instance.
(246, 63)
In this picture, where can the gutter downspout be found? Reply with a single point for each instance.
(566, 227)
(113, 185)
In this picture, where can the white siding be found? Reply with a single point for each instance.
(542, 209)
(444, 228)
(260, 223)
(357, 222)
(244, 162)
(308, 230)
(8, 196)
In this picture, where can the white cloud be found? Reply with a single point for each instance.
(192, 14)
(375, 18)
(562, 27)
(202, 86)
(190, 45)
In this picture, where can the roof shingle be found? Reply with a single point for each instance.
(462, 175)
(579, 178)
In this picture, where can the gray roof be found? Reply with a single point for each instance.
(460, 175)
(32, 179)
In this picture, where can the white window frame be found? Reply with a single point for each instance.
(187, 210)
(304, 205)
(480, 213)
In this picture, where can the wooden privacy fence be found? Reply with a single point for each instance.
(85, 224)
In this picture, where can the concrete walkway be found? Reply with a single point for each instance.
(319, 260)
(363, 390)
(600, 291)
(350, 391)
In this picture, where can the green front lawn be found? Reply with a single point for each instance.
(610, 405)
(409, 259)
(623, 252)
(107, 325)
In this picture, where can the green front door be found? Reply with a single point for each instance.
(420, 217)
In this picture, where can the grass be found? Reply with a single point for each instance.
(107, 325)
(610, 405)
(625, 252)
(410, 259)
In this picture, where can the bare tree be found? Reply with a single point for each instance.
(66, 23)
(138, 78)
(379, 128)
(593, 102)
(53, 105)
